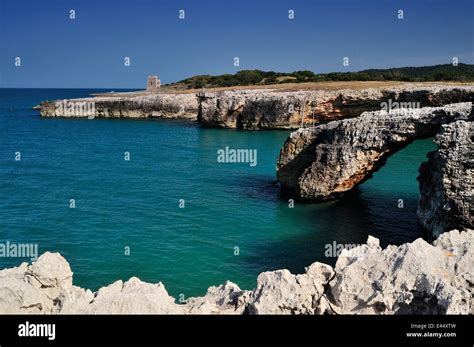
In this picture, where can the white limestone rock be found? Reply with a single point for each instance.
(35, 288)
(280, 292)
(227, 298)
(257, 109)
(325, 162)
(133, 297)
(412, 278)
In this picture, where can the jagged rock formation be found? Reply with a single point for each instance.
(326, 161)
(144, 105)
(272, 109)
(227, 298)
(255, 109)
(447, 180)
(280, 292)
(414, 278)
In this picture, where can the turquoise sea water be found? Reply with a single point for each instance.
(136, 203)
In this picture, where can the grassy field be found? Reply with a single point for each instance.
(319, 86)
(177, 89)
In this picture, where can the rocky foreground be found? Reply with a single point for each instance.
(256, 109)
(414, 278)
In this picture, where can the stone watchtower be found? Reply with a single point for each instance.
(153, 84)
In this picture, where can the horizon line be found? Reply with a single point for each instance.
(316, 73)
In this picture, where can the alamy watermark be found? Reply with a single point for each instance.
(75, 108)
(28, 329)
(334, 249)
(231, 155)
(19, 250)
(390, 105)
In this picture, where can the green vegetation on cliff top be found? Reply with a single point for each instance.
(448, 72)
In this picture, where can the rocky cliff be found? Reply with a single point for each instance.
(122, 105)
(414, 278)
(328, 160)
(447, 180)
(255, 109)
(272, 109)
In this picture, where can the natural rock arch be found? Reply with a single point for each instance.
(322, 163)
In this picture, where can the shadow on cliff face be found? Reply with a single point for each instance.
(422, 304)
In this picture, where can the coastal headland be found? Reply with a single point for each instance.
(273, 107)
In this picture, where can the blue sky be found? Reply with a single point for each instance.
(89, 51)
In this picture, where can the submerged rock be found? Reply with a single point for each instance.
(414, 278)
(329, 160)
(447, 180)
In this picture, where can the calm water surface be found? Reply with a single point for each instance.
(135, 203)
